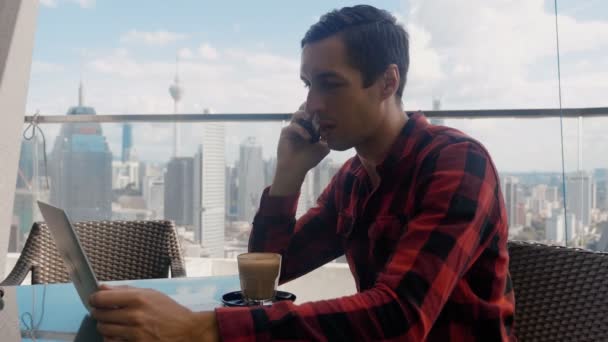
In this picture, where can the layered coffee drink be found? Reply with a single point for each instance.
(259, 275)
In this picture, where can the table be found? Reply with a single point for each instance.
(57, 314)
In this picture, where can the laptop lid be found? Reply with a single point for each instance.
(71, 251)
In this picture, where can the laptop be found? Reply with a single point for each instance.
(71, 251)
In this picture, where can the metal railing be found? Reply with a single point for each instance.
(447, 114)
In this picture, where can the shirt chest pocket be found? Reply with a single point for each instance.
(384, 234)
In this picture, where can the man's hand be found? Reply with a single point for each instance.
(132, 314)
(296, 155)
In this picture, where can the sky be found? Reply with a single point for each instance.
(243, 57)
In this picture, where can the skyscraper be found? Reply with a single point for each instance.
(126, 175)
(80, 168)
(601, 190)
(232, 192)
(154, 195)
(210, 190)
(579, 195)
(555, 228)
(179, 191)
(552, 194)
(251, 179)
(127, 143)
(511, 186)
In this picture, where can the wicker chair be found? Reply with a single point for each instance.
(117, 250)
(561, 294)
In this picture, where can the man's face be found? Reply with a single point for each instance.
(348, 113)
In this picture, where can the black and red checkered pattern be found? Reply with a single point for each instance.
(427, 249)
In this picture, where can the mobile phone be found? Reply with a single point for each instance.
(309, 126)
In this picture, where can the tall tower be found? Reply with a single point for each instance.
(81, 168)
(127, 143)
(437, 107)
(511, 187)
(209, 189)
(580, 196)
(81, 94)
(251, 179)
(179, 192)
(177, 91)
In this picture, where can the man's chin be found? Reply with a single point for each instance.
(337, 146)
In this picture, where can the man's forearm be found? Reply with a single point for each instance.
(205, 327)
(286, 182)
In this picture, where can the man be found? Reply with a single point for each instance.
(418, 212)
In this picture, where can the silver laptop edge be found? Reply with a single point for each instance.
(70, 249)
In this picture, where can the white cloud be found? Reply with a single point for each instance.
(208, 52)
(266, 61)
(158, 38)
(85, 3)
(81, 3)
(495, 54)
(120, 63)
(425, 62)
(185, 53)
(49, 3)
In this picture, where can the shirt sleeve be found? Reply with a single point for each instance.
(305, 244)
(456, 210)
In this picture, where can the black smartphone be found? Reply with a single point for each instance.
(311, 128)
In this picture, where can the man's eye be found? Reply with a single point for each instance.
(329, 85)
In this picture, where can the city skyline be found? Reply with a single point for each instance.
(197, 190)
(234, 63)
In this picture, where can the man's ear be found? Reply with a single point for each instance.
(390, 81)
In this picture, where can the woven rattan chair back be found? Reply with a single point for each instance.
(561, 294)
(117, 250)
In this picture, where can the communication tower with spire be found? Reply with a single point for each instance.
(176, 90)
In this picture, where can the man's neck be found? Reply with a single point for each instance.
(374, 150)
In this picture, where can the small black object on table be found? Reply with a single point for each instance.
(236, 298)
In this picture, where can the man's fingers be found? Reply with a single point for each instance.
(116, 332)
(301, 114)
(309, 127)
(296, 130)
(114, 316)
(113, 298)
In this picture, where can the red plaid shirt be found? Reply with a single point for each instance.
(427, 249)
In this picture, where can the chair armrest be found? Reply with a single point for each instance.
(18, 273)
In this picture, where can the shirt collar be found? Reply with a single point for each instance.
(400, 148)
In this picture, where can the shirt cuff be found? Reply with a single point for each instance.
(278, 205)
(235, 324)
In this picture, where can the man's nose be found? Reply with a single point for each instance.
(314, 103)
